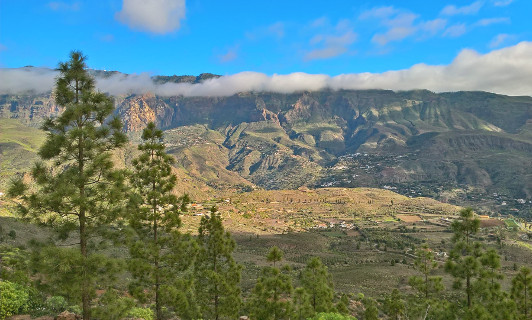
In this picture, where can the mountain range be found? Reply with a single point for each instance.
(466, 148)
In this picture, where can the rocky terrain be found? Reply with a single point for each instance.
(464, 147)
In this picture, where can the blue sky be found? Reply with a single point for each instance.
(228, 37)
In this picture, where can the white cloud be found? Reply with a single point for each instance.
(325, 53)
(490, 21)
(501, 39)
(107, 37)
(502, 3)
(504, 71)
(19, 80)
(401, 24)
(452, 10)
(332, 44)
(455, 31)
(400, 27)
(320, 22)
(156, 16)
(379, 12)
(59, 5)
(229, 56)
(277, 29)
(433, 26)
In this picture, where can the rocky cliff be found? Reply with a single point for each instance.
(415, 141)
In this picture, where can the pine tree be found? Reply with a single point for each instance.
(302, 309)
(317, 281)
(371, 311)
(271, 297)
(78, 189)
(464, 259)
(157, 248)
(488, 286)
(395, 305)
(426, 264)
(342, 306)
(216, 272)
(274, 255)
(521, 289)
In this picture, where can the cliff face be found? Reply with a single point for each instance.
(453, 140)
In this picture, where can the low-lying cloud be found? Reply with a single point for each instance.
(505, 71)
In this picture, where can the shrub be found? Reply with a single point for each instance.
(74, 309)
(331, 316)
(112, 305)
(56, 304)
(142, 313)
(13, 299)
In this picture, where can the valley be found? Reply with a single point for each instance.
(358, 179)
(464, 148)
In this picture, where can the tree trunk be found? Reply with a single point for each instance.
(85, 288)
(426, 282)
(158, 308)
(215, 269)
(468, 291)
(526, 307)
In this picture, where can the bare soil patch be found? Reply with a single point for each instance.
(408, 218)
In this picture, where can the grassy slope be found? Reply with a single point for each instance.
(18, 148)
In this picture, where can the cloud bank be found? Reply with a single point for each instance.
(504, 71)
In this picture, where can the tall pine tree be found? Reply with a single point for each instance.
(217, 274)
(464, 259)
(521, 290)
(159, 253)
(425, 263)
(317, 282)
(78, 188)
(271, 298)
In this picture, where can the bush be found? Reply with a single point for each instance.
(56, 304)
(331, 316)
(13, 299)
(12, 234)
(142, 313)
(112, 305)
(74, 309)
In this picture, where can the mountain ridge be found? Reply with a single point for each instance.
(478, 142)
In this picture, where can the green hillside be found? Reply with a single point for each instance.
(468, 148)
(18, 148)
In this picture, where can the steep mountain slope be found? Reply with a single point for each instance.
(462, 146)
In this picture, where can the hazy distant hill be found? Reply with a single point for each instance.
(466, 147)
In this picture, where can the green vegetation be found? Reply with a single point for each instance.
(217, 275)
(13, 299)
(81, 191)
(157, 250)
(317, 282)
(521, 286)
(271, 297)
(121, 249)
(18, 148)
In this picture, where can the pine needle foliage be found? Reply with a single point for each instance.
(217, 275)
(159, 252)
(271, 298)
(76, 187)
(317, 281)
